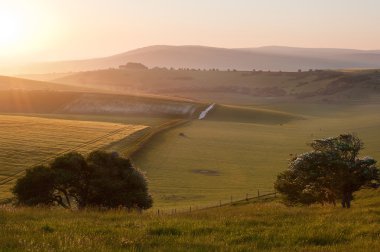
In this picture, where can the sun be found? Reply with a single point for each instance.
(12, 29)
(26, 27)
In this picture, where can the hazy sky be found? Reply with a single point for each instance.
(66, 29)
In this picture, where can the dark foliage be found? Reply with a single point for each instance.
(103, 179)
(330, 172)
(115, 182)
(36, 187)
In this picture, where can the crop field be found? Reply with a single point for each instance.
(27, 141)
(264, 226)
(206, 161)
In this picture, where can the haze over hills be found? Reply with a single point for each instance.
(262, 58)
(13, 83)
(234, 87)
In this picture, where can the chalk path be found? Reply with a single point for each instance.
(204, 113)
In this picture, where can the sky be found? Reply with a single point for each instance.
(39, 30)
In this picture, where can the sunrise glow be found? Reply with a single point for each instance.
(25, 27)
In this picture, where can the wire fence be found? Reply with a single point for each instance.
(221, 203)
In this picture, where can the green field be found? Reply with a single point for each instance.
(217, 159)
(234, 152)
(269, 226)
(27, 141)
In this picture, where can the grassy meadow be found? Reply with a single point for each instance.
(264, 226)
(27, 141)
(214, 159)
(237, 150)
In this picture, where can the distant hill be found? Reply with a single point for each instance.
(264, 58)
(235, 87)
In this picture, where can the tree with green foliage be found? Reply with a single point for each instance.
(330, 172)
(101, 180)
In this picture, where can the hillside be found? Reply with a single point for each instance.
(13, 83)
(236, 87)
(60, 102)
(267, 58)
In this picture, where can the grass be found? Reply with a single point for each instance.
(267, 226)
(236, 150)
(215, 159)
(240, 114)
(27, 141)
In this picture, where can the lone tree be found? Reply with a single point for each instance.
(103, 179)
(330, 172)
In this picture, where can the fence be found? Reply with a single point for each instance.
(221, 203)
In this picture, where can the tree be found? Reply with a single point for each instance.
(37, 188)
(115, 182)
(103, 179)
(330, 172)
(72, 177)
(133, 66)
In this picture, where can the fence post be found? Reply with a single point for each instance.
(220, 203)
(190, 209)
(158, 212)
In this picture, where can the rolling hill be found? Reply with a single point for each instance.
(235, 87)
(13, 83)
(60, 102)
(265, 58)
(28, 96)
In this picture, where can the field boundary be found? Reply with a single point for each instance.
(135, 147)
(17, 174)
(144, 139)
